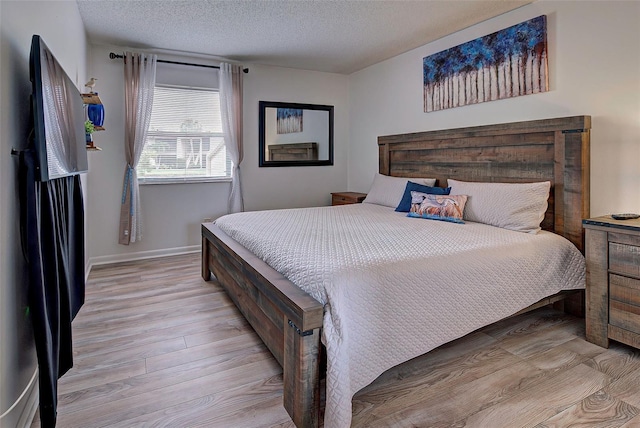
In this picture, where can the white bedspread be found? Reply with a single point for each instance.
(396, 287)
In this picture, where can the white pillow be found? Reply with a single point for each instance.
(388, 191)
(514, 206)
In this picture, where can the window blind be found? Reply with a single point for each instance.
(185, 139)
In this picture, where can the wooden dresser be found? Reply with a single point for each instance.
(612, 249)
(346, 198)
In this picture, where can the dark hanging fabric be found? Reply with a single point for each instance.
(52, 228)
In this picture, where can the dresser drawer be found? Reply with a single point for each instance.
(624, 259)
(625, 316)
(345, 198)
(625, 290)
(341, 200)
(624, 302)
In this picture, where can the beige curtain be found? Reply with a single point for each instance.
(231, 111)
(139, 83)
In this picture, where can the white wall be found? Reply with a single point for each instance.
(594, 69)
(293, 187)
(60, 26)
(172, 213)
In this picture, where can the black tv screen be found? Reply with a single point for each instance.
(58, 116)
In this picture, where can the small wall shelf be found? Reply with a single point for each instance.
(91, 98)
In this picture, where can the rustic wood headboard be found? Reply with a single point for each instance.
(555, 150)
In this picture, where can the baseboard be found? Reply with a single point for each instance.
(140, 255)
(29, 412)
(22, 412)
(87, 269)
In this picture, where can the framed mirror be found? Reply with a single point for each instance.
(293, 134)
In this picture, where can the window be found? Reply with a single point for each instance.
(185, 140)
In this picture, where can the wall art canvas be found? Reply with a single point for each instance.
(505, 64)
(289, 120)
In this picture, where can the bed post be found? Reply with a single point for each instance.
(571, 194)
(301, 375)
(383, 159)
(571, 181)
(206, 273)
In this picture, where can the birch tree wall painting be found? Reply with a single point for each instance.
(505, 64)
(289, 120)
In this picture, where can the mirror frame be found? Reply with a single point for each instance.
(263, 105)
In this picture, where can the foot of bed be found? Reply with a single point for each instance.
(301, 375)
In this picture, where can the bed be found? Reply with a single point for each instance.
(290, 321)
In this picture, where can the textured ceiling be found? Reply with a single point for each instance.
(340, 36)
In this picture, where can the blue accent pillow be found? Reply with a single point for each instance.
(405, 203)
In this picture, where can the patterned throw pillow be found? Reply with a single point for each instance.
(437, 207)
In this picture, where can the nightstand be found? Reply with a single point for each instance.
(612, 250)
(346, 198)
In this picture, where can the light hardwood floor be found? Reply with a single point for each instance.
(155, 345)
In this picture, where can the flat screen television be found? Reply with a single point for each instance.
(58, 116)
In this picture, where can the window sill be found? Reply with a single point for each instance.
(148, 181)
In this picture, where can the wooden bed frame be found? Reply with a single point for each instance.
(289, 321)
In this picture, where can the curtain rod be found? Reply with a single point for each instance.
(114, 56)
